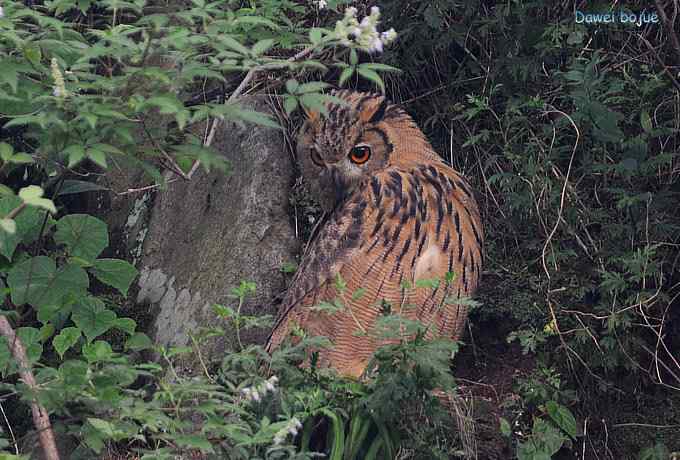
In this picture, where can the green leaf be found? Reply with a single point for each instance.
(234, 45)
(66, 339)
(292, 86)
(80, 186)
(315, 35)
(75, 154)
(10, 73)
(6, 151)
(84, 236)
(505, 427)
(290, 103)
(562, 417)
(345, 75)
(126, 324)
(255, 117)
(315, 102)
(378, 66)
(114, 272)
(37, 281)
(8, 226)
(256, 20)
(97, 351)
(97, 156)
(30, 338)
(262, 46)
(358, 294)
(21, 158)
(167, 105)
(353, 57)
(3, 293)
(194, 442)
(224, 311)
(646, 121)
(5, 356)
(371, 75)
(46, 331)
(32, 196)
(92, 317)
(312, 87)
(338, 430)
(33, 53)
(138, 341)
(106, 428)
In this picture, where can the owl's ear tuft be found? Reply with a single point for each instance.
(374, 110)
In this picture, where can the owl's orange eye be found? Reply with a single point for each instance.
(316, 158)
(360, 154)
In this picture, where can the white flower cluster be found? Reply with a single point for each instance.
(322, 4)
(291, 428)
(257, 392)
(365, 33)
(59, 85)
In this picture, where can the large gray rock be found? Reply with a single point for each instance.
(196, 241)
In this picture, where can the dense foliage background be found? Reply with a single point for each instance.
(570, 133)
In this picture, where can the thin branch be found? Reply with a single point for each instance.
(15, 212)
(668, 24)
(9, 427)
(241, 88)
(41, 419)
(660, 61)
(564, 189)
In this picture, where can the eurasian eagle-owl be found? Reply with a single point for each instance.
(397, 214)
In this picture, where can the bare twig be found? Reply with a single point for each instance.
(9, 427)
(15, 212)
(668, 24)
(564, 189)
(41, 419)
(660, 61)
(241, 88)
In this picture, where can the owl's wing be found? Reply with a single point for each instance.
(399, 225)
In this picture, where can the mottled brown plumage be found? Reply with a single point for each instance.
(401, 215)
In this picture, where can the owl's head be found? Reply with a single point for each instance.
(354, 141)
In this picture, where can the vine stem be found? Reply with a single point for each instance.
(41, 419)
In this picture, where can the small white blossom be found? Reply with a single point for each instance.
(322, 4)
(291, 428)
(278, 440)
(350, 31)
(257, 392)
(388, 36)
(59, 89)
(376, 45)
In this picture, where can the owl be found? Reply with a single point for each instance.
(397, 214)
